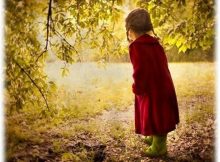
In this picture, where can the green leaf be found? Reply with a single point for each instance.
(65, 71)
(183, 49)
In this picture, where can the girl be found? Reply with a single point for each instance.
(156, 108)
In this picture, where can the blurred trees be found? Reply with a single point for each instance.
(186, 24)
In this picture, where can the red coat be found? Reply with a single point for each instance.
(156, 108)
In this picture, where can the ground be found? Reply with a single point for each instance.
(95, 118)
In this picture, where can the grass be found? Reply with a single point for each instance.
(89, 90)
(192, 79)
(117, 131)
(199, 113)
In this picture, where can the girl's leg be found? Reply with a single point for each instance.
(148, 140)
(158, 147)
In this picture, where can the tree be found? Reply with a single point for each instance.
(67, 26)
(186, 24)
(25, 80)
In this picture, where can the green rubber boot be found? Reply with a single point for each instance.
(158, 147)
(148, 140)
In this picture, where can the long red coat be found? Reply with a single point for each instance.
(156, 107)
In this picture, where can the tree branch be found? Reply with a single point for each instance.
(49, 15)
(65, 41)
(35, 84)
(45, 50)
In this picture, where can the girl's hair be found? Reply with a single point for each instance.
(139, 21)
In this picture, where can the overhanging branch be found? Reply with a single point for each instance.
(49, 15)
(35, 84)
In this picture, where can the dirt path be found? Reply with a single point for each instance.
(123, 116)
(114, 139)
(191, 141)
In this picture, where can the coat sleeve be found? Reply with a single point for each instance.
(139, 62)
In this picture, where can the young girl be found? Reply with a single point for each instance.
(156, 108)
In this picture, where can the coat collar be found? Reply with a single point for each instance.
(145, 38)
